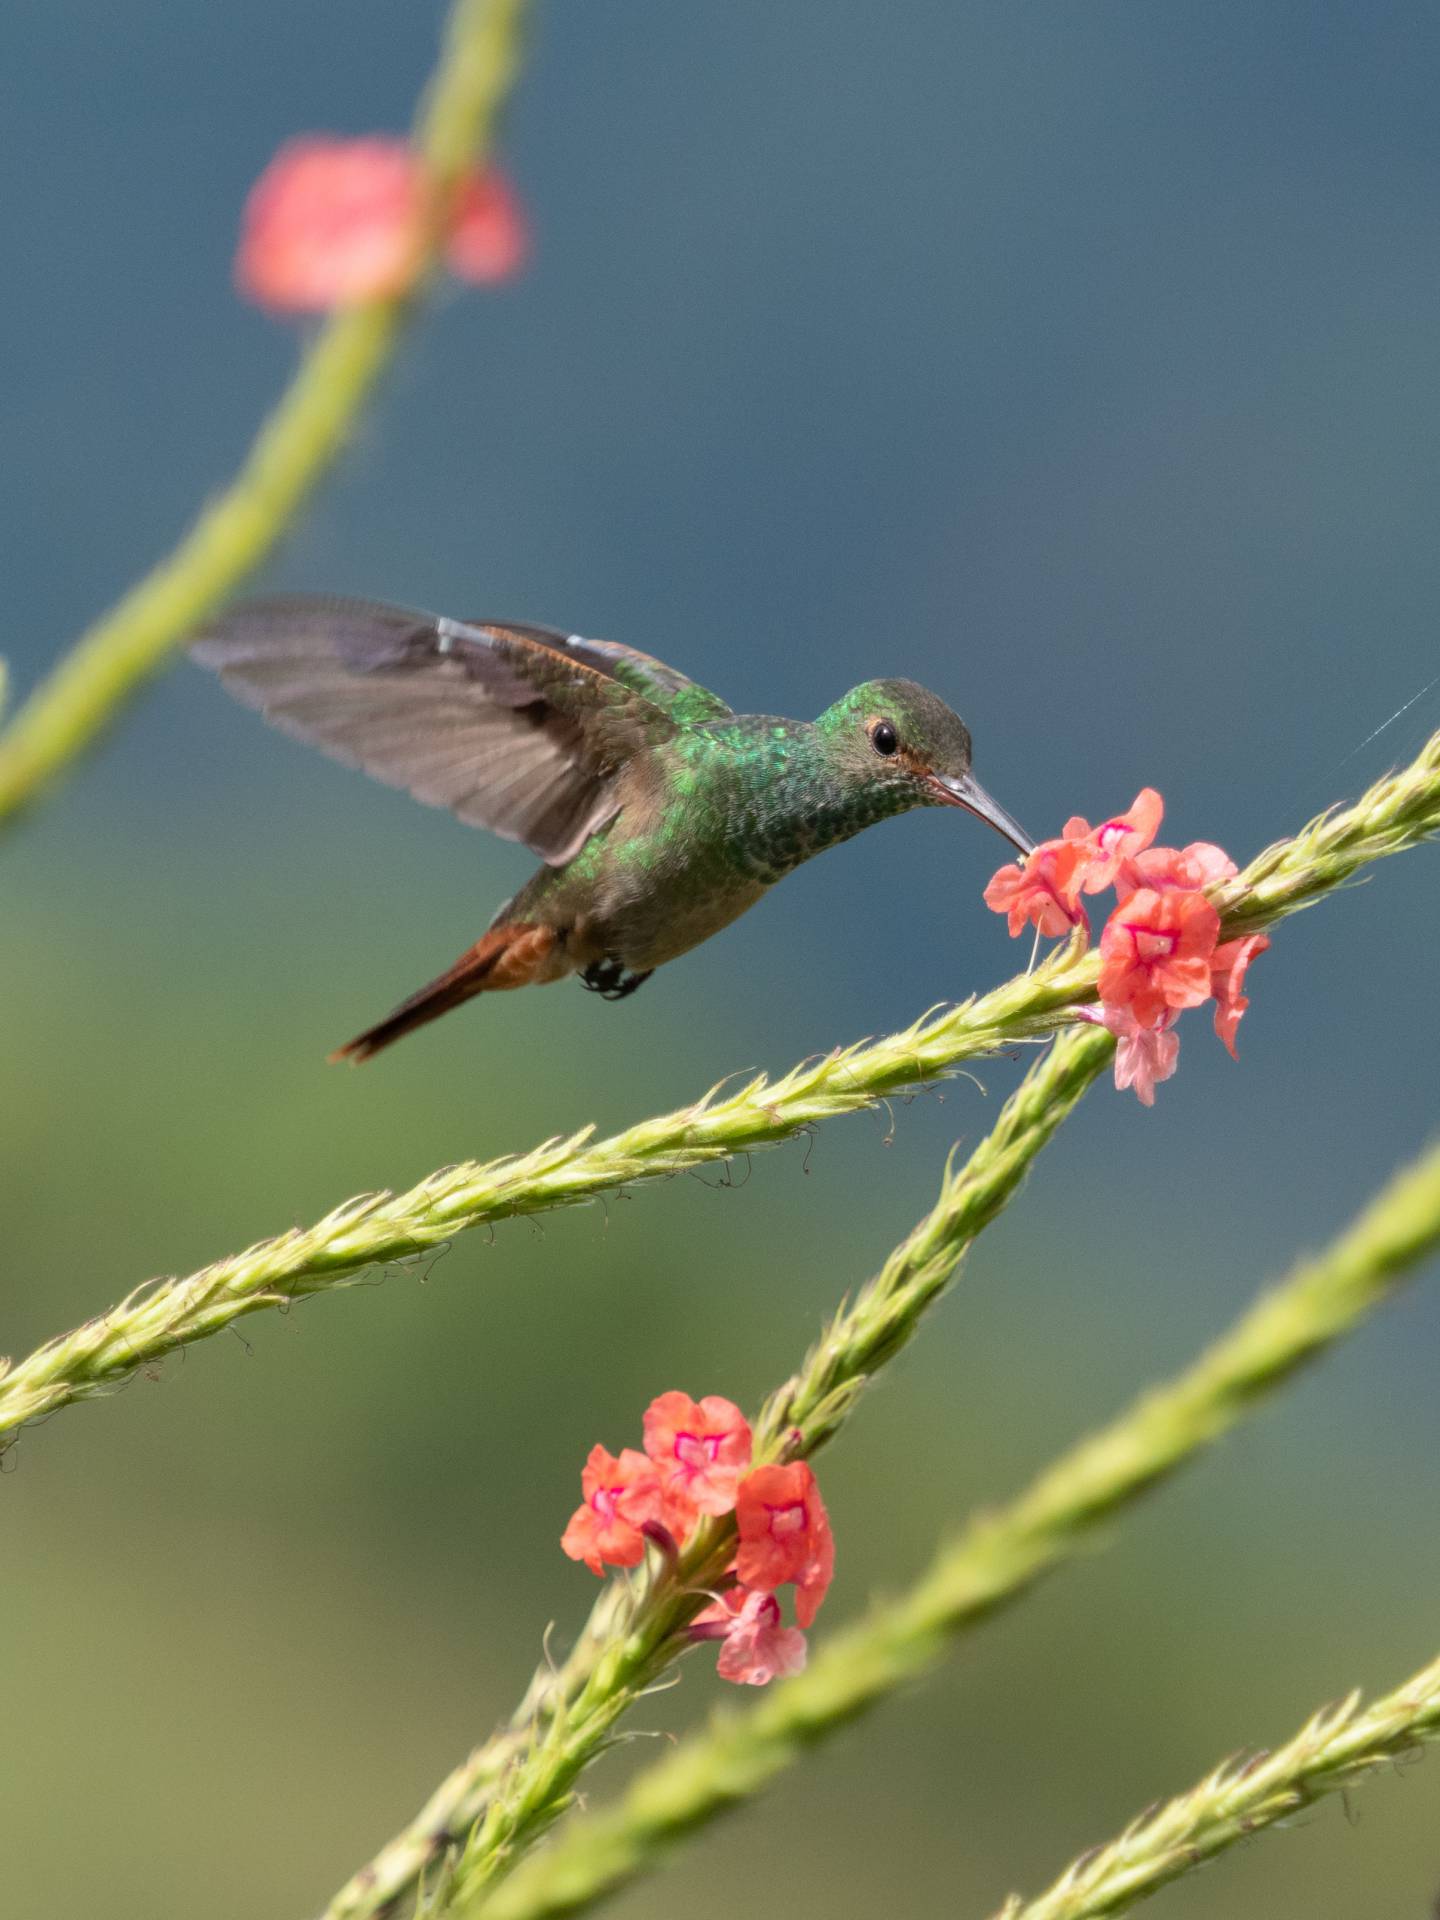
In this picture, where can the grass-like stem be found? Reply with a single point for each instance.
(373, 1229)
(509, 1791)
(1337, 1748)
(997, 1558)
(292, 451)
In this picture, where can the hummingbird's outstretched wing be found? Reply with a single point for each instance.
(515, 728)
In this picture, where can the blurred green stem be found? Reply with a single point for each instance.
(1397, 812)
(997, 1558)
(292, 450)
(520, 1782)
(1336, 1748)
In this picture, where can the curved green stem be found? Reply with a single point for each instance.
(1397, 812)
(521, 1781)
(1336, 1748)
(292, 450)
(997, 1558)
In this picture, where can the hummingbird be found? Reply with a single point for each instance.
(659, 813)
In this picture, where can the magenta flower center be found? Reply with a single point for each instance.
(697, 1450)
(1151, 945)
(789, 1519)
(604, 1501)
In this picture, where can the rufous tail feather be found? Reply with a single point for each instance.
(507, 956)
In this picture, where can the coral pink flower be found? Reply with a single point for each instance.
(621, 1496)
(700, 1449)
(1046, 890)
(1158, 952)
(1227, 977)
(1105, 848)
(1155, 952)
(785, 1535)
(332, 221)
(1201, 864)
(1144, 1056)
(757, 1648)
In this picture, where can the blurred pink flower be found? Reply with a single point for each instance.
(331, 221)
(490, 240)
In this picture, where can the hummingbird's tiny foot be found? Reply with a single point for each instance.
(628, 985)
(609, 979)
(602, 976)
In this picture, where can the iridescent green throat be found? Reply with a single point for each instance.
(776, 793)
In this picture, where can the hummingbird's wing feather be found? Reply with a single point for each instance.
(686, 702)
(512, 728)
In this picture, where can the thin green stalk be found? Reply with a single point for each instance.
(1396, 813)
(868, 1333)
(1336, 1748)
(291, 452)
(518, 1783)
(996, 1559)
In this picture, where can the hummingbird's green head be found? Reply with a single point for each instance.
(899, 736)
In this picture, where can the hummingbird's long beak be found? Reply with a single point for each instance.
(962, 790)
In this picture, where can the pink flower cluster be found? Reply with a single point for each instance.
(696, 1462)
(332, 221)
(1160, 951)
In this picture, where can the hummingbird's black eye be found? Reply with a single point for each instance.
(884, 738)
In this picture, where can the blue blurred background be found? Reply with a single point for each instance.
(1079, 361)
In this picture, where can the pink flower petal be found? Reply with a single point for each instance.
(1228, 966)
(1155, 952)
(1201, 864)
(785, 1535)
(1045, 890)
(620, 1496)
(1105, 849)
(757, 1648)
(700, 1449)
(490, 240)
(1144, 1056)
